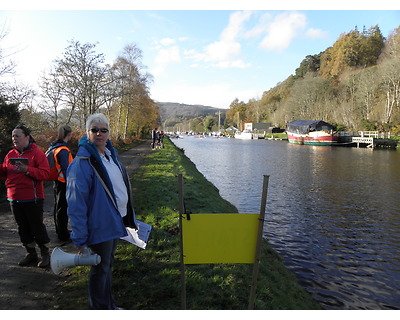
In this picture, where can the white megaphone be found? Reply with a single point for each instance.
(60, 259)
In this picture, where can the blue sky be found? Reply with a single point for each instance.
(207, 57)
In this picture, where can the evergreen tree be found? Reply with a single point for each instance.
(311, 63)
(10, 118)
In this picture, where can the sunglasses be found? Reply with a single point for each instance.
(102, 130)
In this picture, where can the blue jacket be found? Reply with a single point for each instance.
(92, 209)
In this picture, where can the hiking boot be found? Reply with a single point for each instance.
(30, 257)
(45, 255)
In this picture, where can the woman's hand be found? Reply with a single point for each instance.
(82, 250)
(21, 167)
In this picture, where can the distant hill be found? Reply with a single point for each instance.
(170, 111)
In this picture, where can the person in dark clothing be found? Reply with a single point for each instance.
(160, 139)
(62, 157)
(154, 137)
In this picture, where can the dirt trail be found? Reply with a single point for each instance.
(32, 288)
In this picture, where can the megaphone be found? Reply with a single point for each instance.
(60, 259)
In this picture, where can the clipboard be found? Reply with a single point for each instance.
(138, 237)
(22, 160)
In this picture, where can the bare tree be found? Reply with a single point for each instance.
(51, 92)
(133, 90)
(84, 79)
(390, 79)
(367, 87)
(6, 67)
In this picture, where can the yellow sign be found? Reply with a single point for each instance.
(219, 238)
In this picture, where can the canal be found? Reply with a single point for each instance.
(333, 213)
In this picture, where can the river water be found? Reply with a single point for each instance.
(333, 213)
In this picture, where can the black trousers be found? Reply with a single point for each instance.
(60, 210)
(29, 218)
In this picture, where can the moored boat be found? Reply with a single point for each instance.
(311, 132)
(245, 135)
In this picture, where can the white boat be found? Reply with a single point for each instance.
(244, 135)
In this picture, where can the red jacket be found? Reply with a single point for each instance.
(21, 186)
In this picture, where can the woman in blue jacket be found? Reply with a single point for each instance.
(99, 205)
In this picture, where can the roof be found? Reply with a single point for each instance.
(305, 126)
(231, 128)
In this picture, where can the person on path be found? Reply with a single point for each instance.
(99, 206)
(154, 137)
(25, 193)
(62, 157)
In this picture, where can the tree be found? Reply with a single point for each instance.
(10, 117)
(52, 94)
(307, 98)
(353, 49)
(237, 113)
(310, 63)
(367, 87)
(390, 79)
(372, 44)
(6, 67)
(392, 45)
(209, 122)
(134, 108)
(83, 79)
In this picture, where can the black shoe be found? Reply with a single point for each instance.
(45, 254)
(45, 261)
(28, 259)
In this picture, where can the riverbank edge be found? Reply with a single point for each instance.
(149, 279)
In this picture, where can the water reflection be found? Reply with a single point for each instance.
(332, 213)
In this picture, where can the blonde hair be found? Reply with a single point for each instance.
(63, 131)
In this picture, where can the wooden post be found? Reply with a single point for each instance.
(181, 213)
(256, 264)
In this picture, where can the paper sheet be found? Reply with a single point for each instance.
(138, 237)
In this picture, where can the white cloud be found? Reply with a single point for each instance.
(167, 52)
(260, 28)
(221, 51)
(282, 30)
(239, 64)
(164, 57)
(227, 48)
(167, 41)
(315, 33)
(235, 26)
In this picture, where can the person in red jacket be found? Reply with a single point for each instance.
(25, 192)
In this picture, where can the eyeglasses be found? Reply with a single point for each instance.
(102, 130)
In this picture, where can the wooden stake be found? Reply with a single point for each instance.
(256, 264)
(181, 213)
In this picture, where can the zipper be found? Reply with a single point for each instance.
(34, 182)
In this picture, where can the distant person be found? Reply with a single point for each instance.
(161, 138)
(62, 157)
(25, 192)
(154, 137)
(99, 205)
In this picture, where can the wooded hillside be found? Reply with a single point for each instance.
(185, 117)
(354, 84)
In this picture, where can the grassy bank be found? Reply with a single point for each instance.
(150, 279)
